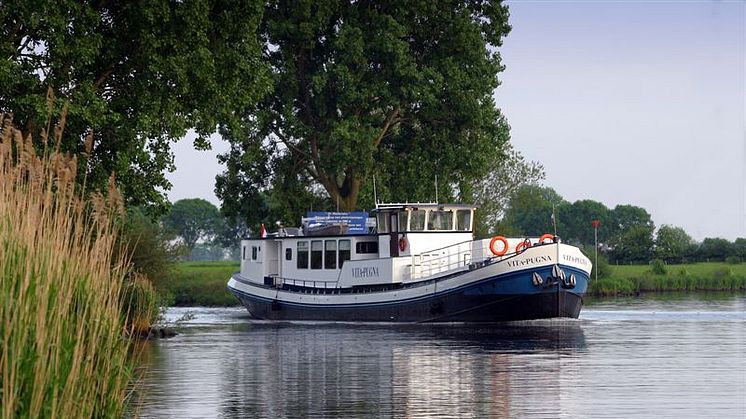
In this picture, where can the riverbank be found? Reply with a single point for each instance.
(204, 283)
(198, 284)
(705, 276)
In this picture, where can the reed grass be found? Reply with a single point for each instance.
(64, 347)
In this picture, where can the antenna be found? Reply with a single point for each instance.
(436, 189)
(554, 221)
(375, 194)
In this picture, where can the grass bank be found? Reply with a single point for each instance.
(633, 279)
(203, 283)
(198, 284)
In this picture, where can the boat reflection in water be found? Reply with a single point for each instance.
(363, 370)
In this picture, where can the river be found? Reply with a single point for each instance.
(672, 357)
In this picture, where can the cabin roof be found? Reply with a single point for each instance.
(422, 205)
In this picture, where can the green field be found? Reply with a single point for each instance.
(632, 279)
(204, 283)
(199, 284)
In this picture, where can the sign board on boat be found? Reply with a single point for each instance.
(354, 220)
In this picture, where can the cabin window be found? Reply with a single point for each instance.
(302, 255)
(366, 247)
(383, 222)
(330, 254)
(344, 251)
(403, 221)
(417, 220)
(440, 220)
(243, 254)
(463, 220)
(288, 254)
(316, 254)
(254, 251)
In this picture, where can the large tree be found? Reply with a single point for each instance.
(137, 74)
(397, 90)
(672, 243)
(193, 220)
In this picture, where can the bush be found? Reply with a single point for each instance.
(658, 267)
(733, 260)
(604, 269)
(140, 304)
(148, 245)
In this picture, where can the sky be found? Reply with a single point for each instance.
(626, 102)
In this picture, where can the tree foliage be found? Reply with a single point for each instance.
(193, 220)
(672, 244)
(634, 245)
(138, 75)
(399, 90)
(713, 249)
(493, 192)
(530, 211)
(147, 244)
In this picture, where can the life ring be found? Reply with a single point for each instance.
(402, 244)
(522, 246)
(496, 239)
(546, 236)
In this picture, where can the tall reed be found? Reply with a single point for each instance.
(64, 352)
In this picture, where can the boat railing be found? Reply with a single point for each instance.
(450, 258)
(280, 281)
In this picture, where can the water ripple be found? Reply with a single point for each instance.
(649, 358)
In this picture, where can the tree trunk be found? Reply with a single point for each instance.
(345, 196)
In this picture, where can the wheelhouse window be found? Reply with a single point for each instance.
(366, 247)
(383, 222)
(288, 254)
(254, 252)
(344, 251)
(302, 249)
(243, 254)
(403, 221)
(417, 220)
(316, 254)
(330, 254)
(463, 220)
(440, 220)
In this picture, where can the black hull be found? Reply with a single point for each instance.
(455, 307)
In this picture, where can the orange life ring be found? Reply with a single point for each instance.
(504, 242)
(402, 244)
(522, 246)
(546, 236)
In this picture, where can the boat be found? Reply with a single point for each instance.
(409, 262)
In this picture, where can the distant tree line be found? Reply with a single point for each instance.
(626, 233)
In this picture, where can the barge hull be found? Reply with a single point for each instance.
(454, 307)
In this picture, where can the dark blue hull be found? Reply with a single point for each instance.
(508, 297)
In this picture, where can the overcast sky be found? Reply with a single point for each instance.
(626, 102)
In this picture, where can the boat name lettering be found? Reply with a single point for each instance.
(575, 259)
(529, 261)
(366, 272)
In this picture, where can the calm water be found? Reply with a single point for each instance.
(673, 357)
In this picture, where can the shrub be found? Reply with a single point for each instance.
(733, 260)
(604, 269)
(658, 267)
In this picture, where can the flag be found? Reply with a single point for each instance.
(263, 232)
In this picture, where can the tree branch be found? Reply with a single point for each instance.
(285, 140)
(103, 76)
(390, 121)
